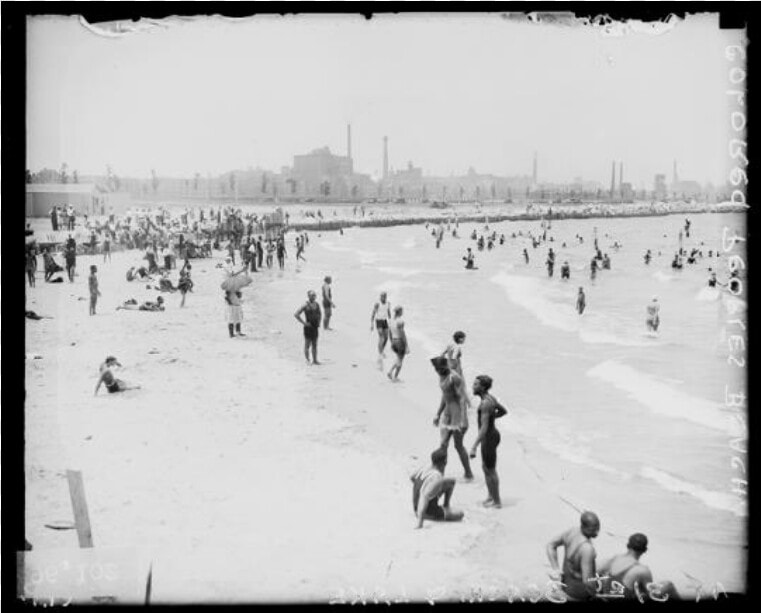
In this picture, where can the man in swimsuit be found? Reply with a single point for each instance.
(311, 323)
(579, 561)
(428, 485)
(398, 342)
(112, 384)
(488, 436)
(327, 302)
(626, 577)
(452, 416)
(379, 320)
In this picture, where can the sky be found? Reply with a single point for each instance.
(213, 94)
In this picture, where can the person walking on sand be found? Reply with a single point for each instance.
(399, 344)
(579, 561)
(452, 416)
(653, 318)
(379, 319)
(327, 302)
(428, 485)
(488, 437)
(624, 576)
(581, 301)
(234, 312)
(70, 257)
(311, 323)
(107, 377)
(93, 285)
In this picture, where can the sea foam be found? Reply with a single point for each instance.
(724, 501)
(663, 399)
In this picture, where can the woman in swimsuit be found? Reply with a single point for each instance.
(112, 384)
(488, 436)
(398, 342)
(452, 416)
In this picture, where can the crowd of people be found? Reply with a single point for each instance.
(163, 239)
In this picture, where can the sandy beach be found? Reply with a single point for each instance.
(243, 474)
(235, 454)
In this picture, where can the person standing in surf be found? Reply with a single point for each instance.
(653, 319)
(581, 301)
(470, 260)
(452, 416)
(488, 437)
(327, 302)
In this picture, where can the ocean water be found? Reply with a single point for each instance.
(612, 418)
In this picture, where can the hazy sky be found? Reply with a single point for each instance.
(450, 91)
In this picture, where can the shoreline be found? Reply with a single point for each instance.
(496, 217)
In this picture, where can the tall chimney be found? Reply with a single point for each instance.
(676, 176)
(385, 157)
(613, 179)
(534, 174)
(348, 140)
(620, 174)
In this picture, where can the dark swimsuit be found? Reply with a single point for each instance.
(491, 439)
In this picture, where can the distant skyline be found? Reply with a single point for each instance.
(450, 92)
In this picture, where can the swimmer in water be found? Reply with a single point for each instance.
(653, 315)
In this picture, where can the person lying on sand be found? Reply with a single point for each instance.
(132, 305)
(112, 384)
(33, 315)
(428, 485)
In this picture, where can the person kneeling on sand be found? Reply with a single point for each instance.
(428, 485)
(132, 305)
(623, 576)
(112, 384)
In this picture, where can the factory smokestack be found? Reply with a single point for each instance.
(348, 141)
(534, 175)
(613, 179)
(620, 174)
(385, 157)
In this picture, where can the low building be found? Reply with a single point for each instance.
(86, 198)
